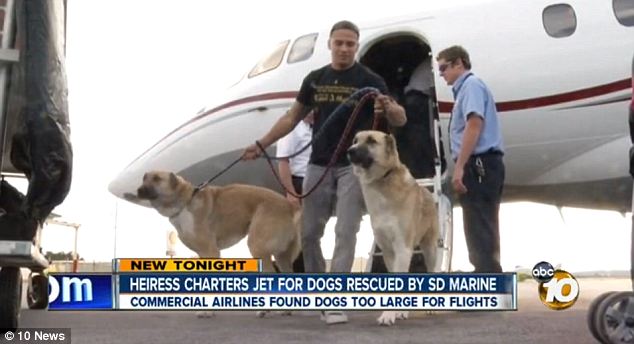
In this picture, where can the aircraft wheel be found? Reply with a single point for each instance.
(592, 313)
(445, 243)
(37, 295)
(10, 298)
(614, 318)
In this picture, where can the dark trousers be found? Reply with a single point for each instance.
(632, 246)
(480, 210)
(298, 264)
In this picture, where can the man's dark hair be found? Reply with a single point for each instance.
(452, 54)
(345, 25)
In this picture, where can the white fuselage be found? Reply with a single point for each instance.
(562, 102)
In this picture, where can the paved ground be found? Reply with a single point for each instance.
(533, 323)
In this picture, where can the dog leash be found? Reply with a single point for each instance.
(367, 93)
(341, 109)
(202, 185)
(364, 94)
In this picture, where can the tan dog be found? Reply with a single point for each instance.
(214, 218)
(403, 214)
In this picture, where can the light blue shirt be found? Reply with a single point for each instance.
(473, 96)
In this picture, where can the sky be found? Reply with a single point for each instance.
(136, 69)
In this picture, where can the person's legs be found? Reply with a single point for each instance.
(317, 208)
(349, 209)
(632, 246)
(298, 263)
(480, 209)
(298, 184)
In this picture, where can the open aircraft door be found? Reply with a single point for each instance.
(395, 57)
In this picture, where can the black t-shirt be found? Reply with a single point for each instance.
(326, 88)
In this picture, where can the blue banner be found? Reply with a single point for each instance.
(316, 283)
(80, 291)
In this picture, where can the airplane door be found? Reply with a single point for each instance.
(404, 62)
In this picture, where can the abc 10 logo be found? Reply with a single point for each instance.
(558, 289)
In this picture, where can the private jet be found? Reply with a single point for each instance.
(559, 71)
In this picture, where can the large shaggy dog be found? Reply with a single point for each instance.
(403, 214)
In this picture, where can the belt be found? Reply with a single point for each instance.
(491, 151)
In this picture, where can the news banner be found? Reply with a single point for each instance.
(240, 284)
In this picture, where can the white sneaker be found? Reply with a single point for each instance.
(334, 317)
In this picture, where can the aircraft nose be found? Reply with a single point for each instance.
(126, 182)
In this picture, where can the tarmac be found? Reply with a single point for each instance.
(532, 323)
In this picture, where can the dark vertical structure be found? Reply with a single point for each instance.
(36, 125)
(631, 122)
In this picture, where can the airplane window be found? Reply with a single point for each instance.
(303, 48)
(559, 20)
(624, 11)
(271, 61)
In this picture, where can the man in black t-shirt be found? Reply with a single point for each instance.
(324, 89)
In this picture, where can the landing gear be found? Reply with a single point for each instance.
(37, 293)
(611, 317)
(592, 314)
(10, 298)
(15, 254)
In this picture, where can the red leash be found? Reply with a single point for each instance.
(338, 150)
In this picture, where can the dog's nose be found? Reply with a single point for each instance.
(352, 150)
(360, 156)
(145, 193)
(352, 154)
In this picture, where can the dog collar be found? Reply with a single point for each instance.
(186, 204)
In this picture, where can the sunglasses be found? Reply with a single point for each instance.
(443, 67)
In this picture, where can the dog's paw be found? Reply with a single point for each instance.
(205, 314)
(261, 314)
(402, 315)
(387, 318)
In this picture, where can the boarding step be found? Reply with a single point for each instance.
(377, 264)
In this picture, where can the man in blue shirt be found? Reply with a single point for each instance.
(477, 150)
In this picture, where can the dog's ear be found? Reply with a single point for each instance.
(173, 180)
(390, 144)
